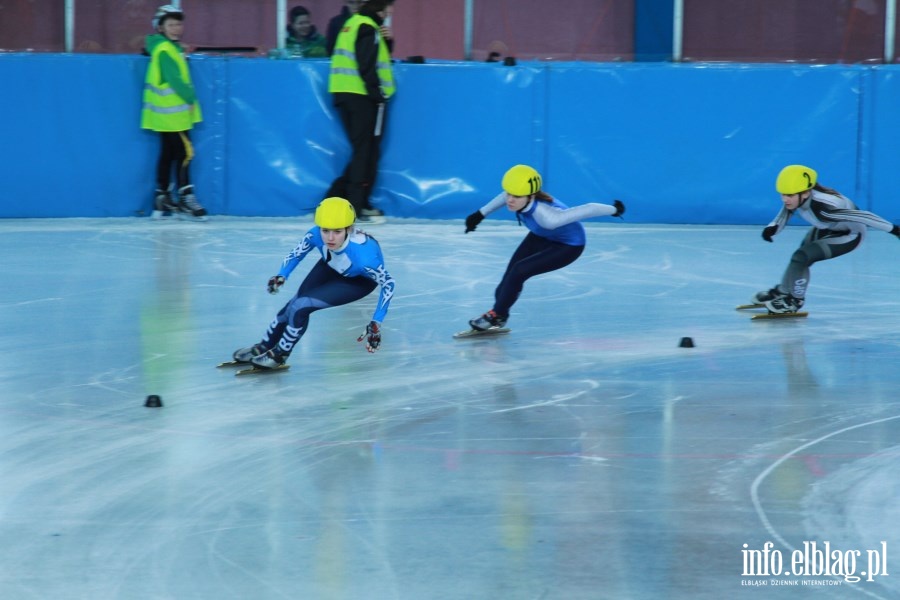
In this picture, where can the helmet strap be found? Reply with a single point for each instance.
(521, 210)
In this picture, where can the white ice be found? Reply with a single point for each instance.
(584, 455)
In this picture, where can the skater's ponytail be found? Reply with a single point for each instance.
(821, 188)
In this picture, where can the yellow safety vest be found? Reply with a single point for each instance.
(344, 75)
(164, 110)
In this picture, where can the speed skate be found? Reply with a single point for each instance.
(480, 332)
(253, 370)
(770, 315)
(250, 368)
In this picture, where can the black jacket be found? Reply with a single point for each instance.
(334, 28)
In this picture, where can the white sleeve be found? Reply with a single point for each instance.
(550, 218)
(498, 202)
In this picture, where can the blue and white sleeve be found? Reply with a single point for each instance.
(293, 259)
(381, 276)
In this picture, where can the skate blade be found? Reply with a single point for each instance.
(750, 306)
(763, 316)
(254, 370)
(232, 363)
(477, 333)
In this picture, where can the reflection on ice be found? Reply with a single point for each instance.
(583, 451)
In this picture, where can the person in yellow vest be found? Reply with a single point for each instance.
(171, 109)
(361, 82)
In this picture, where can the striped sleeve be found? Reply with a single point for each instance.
(781, 219)
(829, 213)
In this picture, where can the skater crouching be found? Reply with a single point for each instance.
(556, 238)
(351, 267)
(838, 228)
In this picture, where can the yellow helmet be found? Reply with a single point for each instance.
(795, 179)
(522, 180)
(335, 213)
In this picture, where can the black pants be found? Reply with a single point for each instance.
(175, 151)
(363, 121)
(535, 255)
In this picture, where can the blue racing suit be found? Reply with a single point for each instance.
(341, 276)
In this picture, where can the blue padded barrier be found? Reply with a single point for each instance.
(695, 143)
(684, 143)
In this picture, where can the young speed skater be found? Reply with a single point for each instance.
(351, 266)
(555, 238)
(838, 227)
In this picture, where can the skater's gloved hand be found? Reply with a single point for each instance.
(372, 336)
(275, 283)
(896, 230)
(768, 232)
(473, 220)
(620, 208)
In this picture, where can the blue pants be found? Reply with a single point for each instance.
(535, 255)
(323, 288)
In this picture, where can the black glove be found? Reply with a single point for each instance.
(620, 208)
(275, 283)
(896, 230)
(372, 336)
(473, 220)
(768, 232)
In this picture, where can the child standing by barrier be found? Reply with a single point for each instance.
(171, 109)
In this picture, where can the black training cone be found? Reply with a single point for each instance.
(153, 401)
(686, 342)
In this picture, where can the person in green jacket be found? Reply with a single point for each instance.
(302, 39)
(171, 109)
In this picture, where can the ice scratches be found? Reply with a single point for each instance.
(852, 507)
(731, 480)
(588, 385)
(35, 301)
(730, 483)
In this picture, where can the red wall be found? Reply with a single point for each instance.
(843, 31)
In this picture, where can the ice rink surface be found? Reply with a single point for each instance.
(583, 456)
